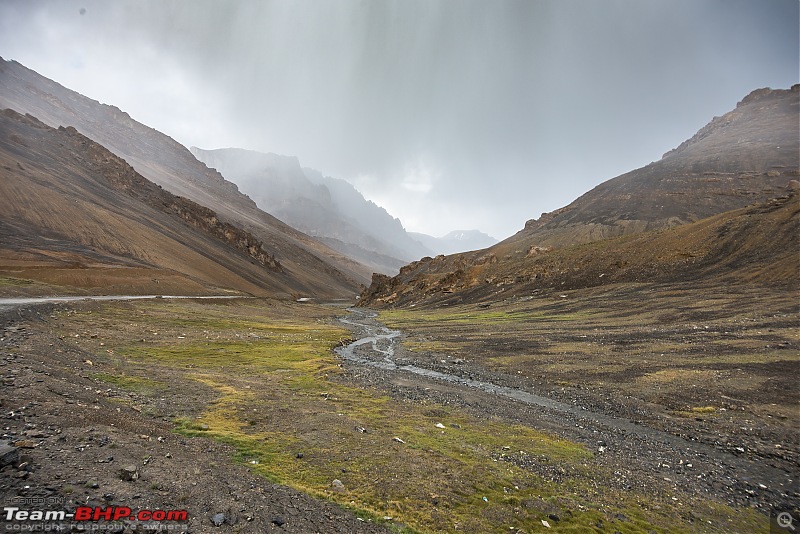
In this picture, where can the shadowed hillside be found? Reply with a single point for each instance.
(330, 210)
(673, 220)
(758, 244)
(745, 156)
(75, 214)
(169, 164)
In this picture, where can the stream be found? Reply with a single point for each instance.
(383, 340)
(376, 348)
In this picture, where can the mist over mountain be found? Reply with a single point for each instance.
(690, 215)
(169, 164)
(744, 156)
(455, 241)
(329, 209)
(76, 215)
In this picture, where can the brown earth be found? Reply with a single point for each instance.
(703, 378)
(169, 164)
(76, 215)
(759, 244)
(746, 156)
(82, 441)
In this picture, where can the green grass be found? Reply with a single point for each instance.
(276, 394)
(11, 281)
(132, 383)
(400, 318)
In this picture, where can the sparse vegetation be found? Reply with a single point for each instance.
(270, 387)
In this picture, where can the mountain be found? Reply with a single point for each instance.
(455, 241)
(330, 210)
(744, 156)
(756, 244)
(167, 163)
(74, 214)
(685, 217)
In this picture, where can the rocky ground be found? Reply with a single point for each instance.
(77, 442)
(714, 414)
(690, 444)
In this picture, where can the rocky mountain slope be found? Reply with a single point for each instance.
(682, 218)
(757, 244)
(74, 214)
(167, 163)
(328, 209)
(744, 156)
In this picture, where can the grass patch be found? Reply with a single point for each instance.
(135, 384)
(277, 400)
(14, 282)
(401, 318)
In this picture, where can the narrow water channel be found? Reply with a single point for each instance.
(376, 347)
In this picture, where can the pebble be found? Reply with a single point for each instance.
(8, 454)
(129, 473)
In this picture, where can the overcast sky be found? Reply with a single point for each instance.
(452, 114)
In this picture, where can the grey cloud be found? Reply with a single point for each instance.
(516, 107)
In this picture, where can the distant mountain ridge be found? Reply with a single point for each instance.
(329, 209)
(455, 241)
(167, 163)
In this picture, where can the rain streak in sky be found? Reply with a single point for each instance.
(450, 114)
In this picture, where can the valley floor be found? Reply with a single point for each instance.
(239, 412)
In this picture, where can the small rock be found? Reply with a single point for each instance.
(8, 454)
(218, 519)
(129, 473)
(553, 517)
(337, 485)
(26, 444)
(299, 455)
(439, 425)
(545, 523)
(398, 440)
(279, 521)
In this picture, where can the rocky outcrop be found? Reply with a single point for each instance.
(119, 175)
(757, 244)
